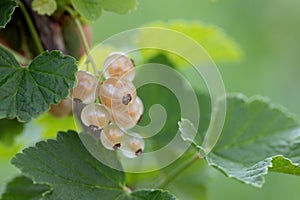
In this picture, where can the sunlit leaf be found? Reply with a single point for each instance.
(215, 41)
(91, 9)
(44, 7)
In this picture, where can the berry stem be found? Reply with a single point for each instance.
(177, 171)
(75, 16)
(32, 29)
(85, 45)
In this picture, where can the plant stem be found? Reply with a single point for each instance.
(34, 34)
(75, 16)
(85, 45)
(178, 171)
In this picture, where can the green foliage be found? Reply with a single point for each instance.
(257, 137)
(51, 125)
(44, 7)
(284, 165)
(192, 183)
(148, 194)
(9, 129)
(7, 8)
(92, 9)
(218, 45)
(22, 188)
(28, 92)
(189, 133)
(66, 162)
(186, 183)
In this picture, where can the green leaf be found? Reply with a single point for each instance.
(28, 92)
(91, 9)
(65, 162)
(148, 194)
(44, 7)
(192, 183)
(283, 165)
(188, 183)
(214, 40)
(7, 8)
(189, 133)
(22, 188)
(9, 130)
(187, 129)
(61, 4)
(255, 133)
(118, 6)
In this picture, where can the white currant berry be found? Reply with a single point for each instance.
(117, 93)
(86, 87)
(95, 115)
(118, 64)
(132, 145)
(111, 137)
(129, 117)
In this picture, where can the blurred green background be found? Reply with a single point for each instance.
(268, 31)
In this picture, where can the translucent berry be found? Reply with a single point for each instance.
(86, 88)
(128, 118)
(95, 115)
(63, 109)
(132, 145)
(118, 64)
(111, 137)
(117, 93)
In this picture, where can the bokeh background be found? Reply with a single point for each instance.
(268, 31)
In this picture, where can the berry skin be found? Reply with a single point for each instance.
(119, 65)
(128, 118)
(111, 137)
(86, 88)
(132, 145)
(95, 115)
(117, 94)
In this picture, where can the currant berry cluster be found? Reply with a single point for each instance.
(120, 108)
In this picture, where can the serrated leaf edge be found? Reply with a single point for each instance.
(272, 107)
